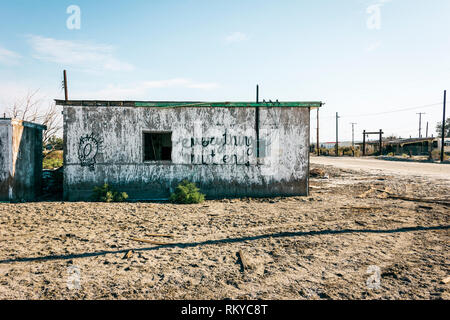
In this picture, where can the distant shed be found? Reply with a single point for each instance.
(230, 149)
(20, 160)
(413, 146)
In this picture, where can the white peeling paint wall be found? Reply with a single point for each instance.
(215, 147)
(5, 160)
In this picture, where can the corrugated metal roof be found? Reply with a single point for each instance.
(23, 123)
(188, 104)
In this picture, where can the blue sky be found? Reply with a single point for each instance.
(324, 50)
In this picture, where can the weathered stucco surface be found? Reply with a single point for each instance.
(214, 147)
(20, 160)
(5, 159)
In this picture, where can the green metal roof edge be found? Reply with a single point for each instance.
(188, 104)
(231, 104)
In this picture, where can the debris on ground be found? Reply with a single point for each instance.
(128, 255)
(317, 173)
(243, 259)
(446, 280)
(149, 241)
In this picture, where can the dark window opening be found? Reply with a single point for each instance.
(157, 146)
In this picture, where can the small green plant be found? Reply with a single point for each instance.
(186, 193)
(52, 160)
(107, 194)
(52, 163)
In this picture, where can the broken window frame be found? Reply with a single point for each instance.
(150, 132)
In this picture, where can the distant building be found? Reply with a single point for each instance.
(332, 145)
(20, 160)
(446, 144)
(413, 146)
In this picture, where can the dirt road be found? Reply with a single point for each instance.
(347, 240)
(440, 171)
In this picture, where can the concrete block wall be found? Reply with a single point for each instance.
(214, 147)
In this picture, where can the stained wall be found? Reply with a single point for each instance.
(214, 147)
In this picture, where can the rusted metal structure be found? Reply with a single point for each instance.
(20, 160)
(380, 142)
(230, 149)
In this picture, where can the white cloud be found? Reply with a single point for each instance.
(236, 37)
(179, 82)
(8, 57)
(141, 90)
(86, 56)
(373, 46)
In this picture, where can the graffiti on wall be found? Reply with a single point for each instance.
(88, 149)
(223, 148)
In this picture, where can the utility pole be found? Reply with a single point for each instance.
(443, 127)
(318, 146)
(381, 142)
(257, 124)
(66, 95)
(337, 135)
(364, 143)
(420, 123)
(353, 133)
(427, 130)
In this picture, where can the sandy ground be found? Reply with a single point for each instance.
(341, 242)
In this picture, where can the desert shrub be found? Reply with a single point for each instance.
(186, 193)
(106, 193)
(52, 160)
(436, 155)
(324, 152)
(346, 151)
(52, 163)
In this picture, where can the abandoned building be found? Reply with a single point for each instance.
(413, 146)
(20, 160)
(229, 149)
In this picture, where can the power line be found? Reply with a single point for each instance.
(388, 112)
(420, 123)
